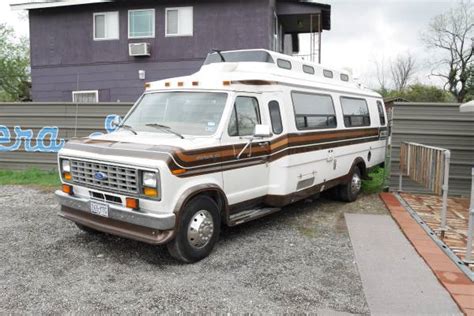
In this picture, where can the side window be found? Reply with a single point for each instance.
(381, 113)
(356, 112)
(275, 117)
(244, 117)
(313, 111)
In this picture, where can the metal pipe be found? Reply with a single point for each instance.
(447, 159)
(470, 230)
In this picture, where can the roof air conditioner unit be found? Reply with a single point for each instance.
(139, 49)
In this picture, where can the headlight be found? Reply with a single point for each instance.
(150, 184)
(149, 179)
(65, 165)
(66, 170)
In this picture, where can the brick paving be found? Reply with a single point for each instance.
(428, 207)
(453, 279)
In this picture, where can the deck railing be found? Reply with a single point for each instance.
(428, 166)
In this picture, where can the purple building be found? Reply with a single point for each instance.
(105, 50)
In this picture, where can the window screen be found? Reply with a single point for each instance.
(244, 117)
(313, 111)
(275, 117)
(356, 112)
(106, 26)
(381, 113)
(85, 96)
(141, 23)
(179, 21)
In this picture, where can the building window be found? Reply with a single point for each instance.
(275, 117)
(356, 112)
(91, 96)
(381, 113)
(245, 116)
(285, 64)
(313, 111)
(179, 21)
(141, 23)
(106, 26)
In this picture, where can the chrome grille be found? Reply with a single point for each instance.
(119, 179)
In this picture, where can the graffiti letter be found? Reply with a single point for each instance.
(55, 144)
(5, 138)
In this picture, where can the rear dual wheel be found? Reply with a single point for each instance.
(198, 230)
(349, 191)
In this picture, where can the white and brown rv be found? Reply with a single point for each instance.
(249, 133)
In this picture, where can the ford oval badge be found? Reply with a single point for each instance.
(101, 176)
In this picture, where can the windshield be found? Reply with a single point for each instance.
(188, 113)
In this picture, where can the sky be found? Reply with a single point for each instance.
(362, 32)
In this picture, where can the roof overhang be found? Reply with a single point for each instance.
(303, 16)
(40, 4)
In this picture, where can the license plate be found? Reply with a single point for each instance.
(100, 209)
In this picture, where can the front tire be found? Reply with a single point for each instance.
(348, 192)
(198, 230)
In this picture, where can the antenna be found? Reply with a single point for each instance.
(219, 52)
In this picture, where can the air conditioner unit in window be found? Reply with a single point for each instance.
(139, 49)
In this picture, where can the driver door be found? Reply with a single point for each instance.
(246, 173)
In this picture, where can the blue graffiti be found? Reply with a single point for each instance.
(46, 141)
(108, 126)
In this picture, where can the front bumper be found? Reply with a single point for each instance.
(146, 227)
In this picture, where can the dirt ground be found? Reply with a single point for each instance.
(299, 260)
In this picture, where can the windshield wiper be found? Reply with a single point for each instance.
(165, 128)
(128, 128)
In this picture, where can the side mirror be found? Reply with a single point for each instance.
(262, 131)
(115, 122)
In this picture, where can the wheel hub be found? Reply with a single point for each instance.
(356, 183)
(200, 229)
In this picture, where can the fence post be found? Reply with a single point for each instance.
(447, 159)
(470, 230)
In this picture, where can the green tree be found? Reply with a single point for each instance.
(421, 93)
(470, 85)
(14, 66)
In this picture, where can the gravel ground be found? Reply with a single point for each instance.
(299, 260)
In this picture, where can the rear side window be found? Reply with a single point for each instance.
(244, 117)
(383, 121)
(313, 111)
(275, 117)
(356, 112)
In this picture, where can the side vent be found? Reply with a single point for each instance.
(139, 49)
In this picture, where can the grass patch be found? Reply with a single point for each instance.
(376, 184)
(30, 177)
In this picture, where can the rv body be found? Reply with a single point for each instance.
(249, 133)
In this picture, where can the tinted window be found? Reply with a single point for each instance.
(328, 73)
(275, 117)
(245, 56)
(381, 113)
(308, 69)
(356, 112)
(244, 117)
(285, 64)
(313, 111)
(344, 77)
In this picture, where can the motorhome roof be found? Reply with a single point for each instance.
(263, 67)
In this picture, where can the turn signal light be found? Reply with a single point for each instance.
(150, 192)
(131, 203)
(67, 189)
(178, 171)
(226, 83)
(67, 176)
